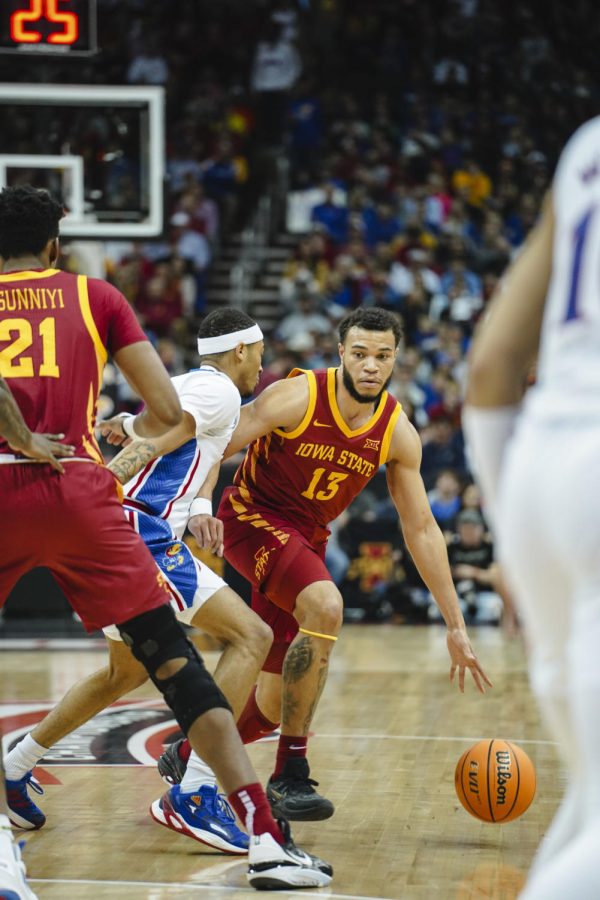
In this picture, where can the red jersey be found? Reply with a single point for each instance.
(310, 475)
(56, 331)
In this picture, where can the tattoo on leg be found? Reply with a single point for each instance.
(289, 707)
(299, 660)
(322, 678)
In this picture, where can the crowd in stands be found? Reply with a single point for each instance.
(421, 139)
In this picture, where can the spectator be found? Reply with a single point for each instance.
(275, 69)
(332, 217)
(306, 133)
(472, 183)
(443, 449)
(444, 499)
(381, 225)
(203, 212)
(149, 66)
(476, 575)
(404, 278)
(305, 321)
(188, 243)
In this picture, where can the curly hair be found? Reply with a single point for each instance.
(371, 318)
(224, 321)
(29, 218)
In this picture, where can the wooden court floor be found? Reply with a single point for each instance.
(388, 733)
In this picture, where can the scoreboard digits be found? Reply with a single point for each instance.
(48, 26)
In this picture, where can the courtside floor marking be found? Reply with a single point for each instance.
(189, 885)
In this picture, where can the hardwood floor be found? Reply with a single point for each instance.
(388, 733)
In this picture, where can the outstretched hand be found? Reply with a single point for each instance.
(462, 657)
(47, 448)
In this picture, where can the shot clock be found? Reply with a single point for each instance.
(48, 26)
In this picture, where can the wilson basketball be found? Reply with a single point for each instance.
(495, 781)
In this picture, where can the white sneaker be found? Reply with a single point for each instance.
(13, 885)
(274, 866)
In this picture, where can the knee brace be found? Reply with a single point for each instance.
(156, 637)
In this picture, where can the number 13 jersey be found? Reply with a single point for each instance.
(310, 475)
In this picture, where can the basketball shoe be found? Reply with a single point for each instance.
(274, 866)
(292, 795)
(204, 815)
(171, 766)
(22, 811)
(13, 885)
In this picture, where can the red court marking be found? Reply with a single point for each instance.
(45, 777)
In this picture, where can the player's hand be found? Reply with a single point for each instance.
(112, 431)
(47, 448)
(462, 657)
(208, 531)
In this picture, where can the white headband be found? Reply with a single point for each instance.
(224, 342)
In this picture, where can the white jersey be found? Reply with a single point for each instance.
(569, 365)
(166, 486)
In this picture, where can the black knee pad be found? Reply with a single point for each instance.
(154, 638)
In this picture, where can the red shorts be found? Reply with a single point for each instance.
(74, 524)
(278, 561)
(284, 627)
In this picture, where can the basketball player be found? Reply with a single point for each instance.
(542, 487)
(55, 333)
(160, 502)
(47, 449)
(316, 440)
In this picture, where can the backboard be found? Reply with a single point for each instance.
(100, 148)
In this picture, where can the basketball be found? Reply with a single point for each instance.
(495, 781)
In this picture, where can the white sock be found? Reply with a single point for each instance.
(5, 823)
(23, 758)
(197, 773)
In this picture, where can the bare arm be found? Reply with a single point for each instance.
(41, 447)
(206, 528)
(137, 454)
(508, 338)
(427, 546)
(146, 374)
(281, 405)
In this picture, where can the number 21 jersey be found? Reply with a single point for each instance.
(56, 331)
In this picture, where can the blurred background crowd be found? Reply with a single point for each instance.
(408, 145)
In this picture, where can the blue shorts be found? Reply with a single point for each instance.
(189, 581)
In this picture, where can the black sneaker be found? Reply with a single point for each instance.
(274, 867)
(170, 765)
(292, 795)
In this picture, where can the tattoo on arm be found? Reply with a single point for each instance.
(322, 678)
(132, 459)
(12, 423)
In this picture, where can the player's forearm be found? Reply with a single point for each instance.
(132, 459)
(248, 429)
(148, 424)
(12, 423)
(210, 482)
(428, 550)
